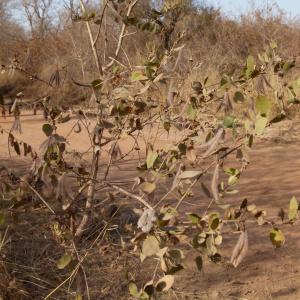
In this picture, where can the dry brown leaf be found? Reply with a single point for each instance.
(146, 220)
(227, 103)
(176, 178)
(115, 151)
(212, 143)
(191, 154)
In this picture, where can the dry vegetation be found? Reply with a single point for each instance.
(133, 179)
(211, 40)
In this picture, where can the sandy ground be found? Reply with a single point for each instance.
(270, 181)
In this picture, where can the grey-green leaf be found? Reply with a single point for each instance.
(64, 261)
(150, 246)
(293, 209)
(277, 238)
(151, 158)
(260, 125)
(199, 263)
(133, 290)
(190, 174)
(48, 129)
(238, 97)
(263, 105)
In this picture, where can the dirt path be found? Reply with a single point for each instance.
(271, 179)
(266, 273)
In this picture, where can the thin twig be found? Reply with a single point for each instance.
(100, 22)
(93, 46)
(39, 196)
(66, 280)
(122, 35)
(138, 198)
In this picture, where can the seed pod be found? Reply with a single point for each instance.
(240, 249)
(213, 143)
(214, 185)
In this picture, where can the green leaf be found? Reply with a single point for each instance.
(190, 174)
(78, 297)
(150, 246)
(197, 86)
(64, 261)
(225, 82)
(162, 252)
(228, 122)
(214, 221)
(144, 296)
(218, 240)
(250, 66)
(278, 118)
(48, 129)
(182, 148)
(250, 62)
(175, 269)
(293, 101)
(288, 65)
(232, 179)
(2, 218)
(199, 263)
(194, 218)
(96, 84)
(281, 214)
(167, 126)
(263, 105)
(293, 209)
(238, 97)
(17, 148)
(273, 45)
(168, 213)
(252, 208)
(147, 187)
(151, 158)
(191, 112)
(177, 255)
(250, 141)
(133, 290)
(260, 125)
(231, 171)
(210, 246)
(138, 76)
(277, 238)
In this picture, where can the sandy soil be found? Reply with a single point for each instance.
(270, 181)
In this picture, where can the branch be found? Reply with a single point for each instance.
(90, 194)
(100, 25)
(93, 46)
(39, 196)
(122, 35)
(138, 198)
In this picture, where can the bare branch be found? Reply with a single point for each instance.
(122, 35)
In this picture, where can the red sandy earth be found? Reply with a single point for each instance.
(270, 181)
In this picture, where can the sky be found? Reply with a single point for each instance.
(234, 7)
(231, 8)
